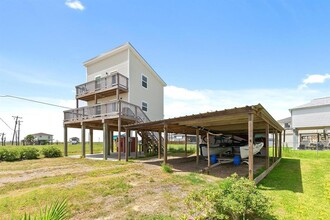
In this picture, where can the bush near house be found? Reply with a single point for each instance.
(51, 152)
(233, 198)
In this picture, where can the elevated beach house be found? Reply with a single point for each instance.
(121, 89)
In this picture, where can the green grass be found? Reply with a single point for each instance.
(300, 185)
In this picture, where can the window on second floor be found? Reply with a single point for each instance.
(145, 106)
(144, 81)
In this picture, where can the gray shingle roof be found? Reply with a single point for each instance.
(315, 102)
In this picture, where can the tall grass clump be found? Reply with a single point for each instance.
(167, 168)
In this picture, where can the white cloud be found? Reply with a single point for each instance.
(314, 78)
(276, 101)
(75, 4)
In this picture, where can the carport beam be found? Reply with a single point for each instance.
(65, 140)
(197, 146)
(208, 149)
(267, 145)
(185, 145)
(250, 137)
(159, 144)
(165, 144)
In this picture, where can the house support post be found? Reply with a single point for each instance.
(127, 148)
(118, 139)
(250, 137)
(91, 141)
(105, 140)
(208, 149)
(267, 145)
(65, 141)
(165, 144)
(77, 103)
(197, 146)
(136, 144)
(295, 138)
(185, 145)
(83, 141)
(159, 144)
(111, 141)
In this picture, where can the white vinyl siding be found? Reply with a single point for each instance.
(144, 81)
(145, 106)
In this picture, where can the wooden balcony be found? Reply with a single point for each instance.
(109, 110)
(103, 87)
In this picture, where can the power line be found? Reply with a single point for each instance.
(6, 124)
(36, 101)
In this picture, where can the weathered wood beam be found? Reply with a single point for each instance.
(159, 144)
(65, 141)
(118, 138)
(105, 140)
(197, 146)
(165, 144)
(250, 140)
(208, 149)
(127, 144)
(185, 145)
(267, 145)
(91, 141)
(83, 140)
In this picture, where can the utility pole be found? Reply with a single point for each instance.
(18, 132)
(2, 139)
(15, 133)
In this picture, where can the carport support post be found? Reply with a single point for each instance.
(250, 137)
(276, 145)
(197, 146)
(267, 145)
(280, 146)
(91, 141)
(65, 140)
(126, 144)
(165, 144)
(105, 140)
(208, 149)
(83, 141)
(185, 145)
(159, 144)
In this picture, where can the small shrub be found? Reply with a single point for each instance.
(9, 154)
(167, 168)
(29, 153)
(233, 198)
(3, 153)
(51, 152)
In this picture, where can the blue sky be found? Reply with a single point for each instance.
(212, 54)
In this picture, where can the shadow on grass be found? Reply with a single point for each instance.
(285, 176)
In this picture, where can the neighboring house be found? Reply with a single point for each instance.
(287, 134)
(42, 138)
(121, 88)
(311, 124)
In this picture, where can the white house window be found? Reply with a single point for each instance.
(145, 106)
(144, 81)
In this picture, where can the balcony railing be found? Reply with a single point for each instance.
(114, 80)
(111, 109)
